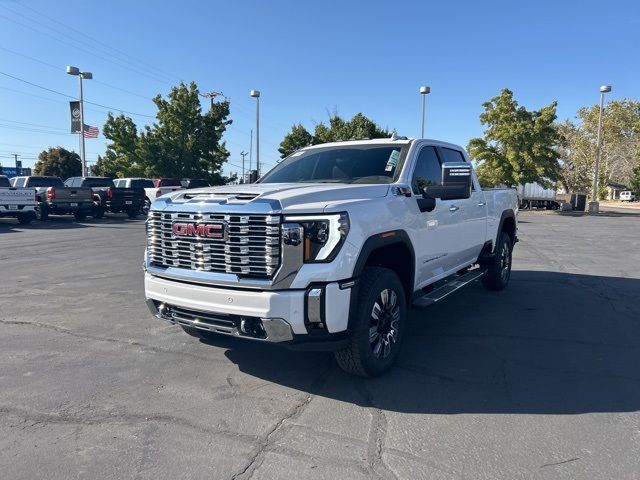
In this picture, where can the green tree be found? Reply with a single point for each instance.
(183, 142)
(634, 183)
(121, 158)
(518, 146)
(359, 126)
(296, 139)
(58, 162)
(620, 151)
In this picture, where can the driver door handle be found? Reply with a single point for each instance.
(453, 208)
(482, 204)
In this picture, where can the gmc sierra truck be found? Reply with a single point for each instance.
(330, 249)
(17, 202)
(52, 197)
(108, 198)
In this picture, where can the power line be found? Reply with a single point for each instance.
(78, 47)
(99, 42)
(73, 98)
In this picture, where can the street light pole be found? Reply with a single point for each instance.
(424, 91)
(88, 76)
(594, 205)
(244, 154)
(256, 95)
(82, 157)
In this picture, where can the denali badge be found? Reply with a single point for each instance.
(207, 230)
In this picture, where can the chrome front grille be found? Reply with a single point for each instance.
(249, 245)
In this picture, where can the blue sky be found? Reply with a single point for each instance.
(307, 59)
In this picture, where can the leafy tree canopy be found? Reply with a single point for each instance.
(620, 152)
(518, 146)
(184, 142)
(359, 126)
(58, 162)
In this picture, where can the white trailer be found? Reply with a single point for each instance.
(534, 195)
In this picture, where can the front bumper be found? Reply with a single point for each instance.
(281, 316)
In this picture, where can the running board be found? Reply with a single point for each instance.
(448, 288)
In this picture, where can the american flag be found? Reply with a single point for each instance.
(90, 132)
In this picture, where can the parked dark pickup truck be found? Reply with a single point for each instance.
(108, 198)
(53, 198)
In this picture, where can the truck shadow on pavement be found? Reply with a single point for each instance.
(552, 343)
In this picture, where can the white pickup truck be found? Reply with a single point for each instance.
(17, 202)
(330, 249)
(152, 188)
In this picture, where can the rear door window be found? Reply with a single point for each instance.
(451, 155)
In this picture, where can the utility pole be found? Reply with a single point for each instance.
(250, 151)
(244, 154)
(256, 94)
(211, 96)
(18, 164)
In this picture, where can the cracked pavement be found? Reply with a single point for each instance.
(541, 381)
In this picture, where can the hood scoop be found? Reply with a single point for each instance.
(222, 197)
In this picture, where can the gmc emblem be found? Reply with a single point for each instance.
(207, 230)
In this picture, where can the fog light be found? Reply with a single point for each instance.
(315, 306)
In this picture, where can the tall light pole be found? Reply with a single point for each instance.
(256, 94)
(87, 76)
(424, 91)
(594, 205)
(244, 154)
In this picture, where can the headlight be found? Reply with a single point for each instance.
(323, 235)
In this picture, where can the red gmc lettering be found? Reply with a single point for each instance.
(211, 230)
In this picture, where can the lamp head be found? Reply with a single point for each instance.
(87, 75)
(424, 90)
(254, 93)
(73, 70)
(605, 88)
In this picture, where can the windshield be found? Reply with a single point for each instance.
(142, 183)
(45, 182)
(348, 164)
(98, 182)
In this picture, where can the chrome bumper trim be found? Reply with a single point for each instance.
(277, 329)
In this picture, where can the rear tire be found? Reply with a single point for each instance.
(499, 269)
(132, 213)
(80, 216)
(98, 212)
(378, 325)
(25, 218)
(42, 212)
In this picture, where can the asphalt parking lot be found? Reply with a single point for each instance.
(539, 381)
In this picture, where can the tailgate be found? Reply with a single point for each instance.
(17, 196)
(128, 194)
(74, 194)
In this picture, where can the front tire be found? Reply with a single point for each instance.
(378, 325)
(499, 269)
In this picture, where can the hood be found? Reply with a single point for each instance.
(269, 197)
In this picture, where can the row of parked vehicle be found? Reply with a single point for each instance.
(37, 197)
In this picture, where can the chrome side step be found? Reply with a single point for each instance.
(453, 285)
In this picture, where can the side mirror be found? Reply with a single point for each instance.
(456, 183)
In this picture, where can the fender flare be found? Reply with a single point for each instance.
(374, 242)
(508, 213)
